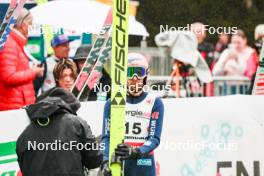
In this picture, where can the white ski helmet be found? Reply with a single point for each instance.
(137, 60)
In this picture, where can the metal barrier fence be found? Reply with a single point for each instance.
(231, 85)
(221, 86)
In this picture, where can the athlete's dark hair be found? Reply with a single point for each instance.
(61, 66)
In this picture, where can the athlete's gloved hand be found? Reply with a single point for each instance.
(125, 151)
(105, 170)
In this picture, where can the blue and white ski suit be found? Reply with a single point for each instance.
(144, 118)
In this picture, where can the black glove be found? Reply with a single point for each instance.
(105, 170)
(125, 151)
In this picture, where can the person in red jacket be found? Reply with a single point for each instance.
(16, 76)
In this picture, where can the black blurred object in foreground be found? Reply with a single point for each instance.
(54, 120)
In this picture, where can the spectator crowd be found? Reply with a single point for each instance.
(22, 80)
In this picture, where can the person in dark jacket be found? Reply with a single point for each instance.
(57, 141)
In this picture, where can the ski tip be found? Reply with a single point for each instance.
(13, 3)
(109, 18)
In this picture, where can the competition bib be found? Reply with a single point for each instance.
(138, 121)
